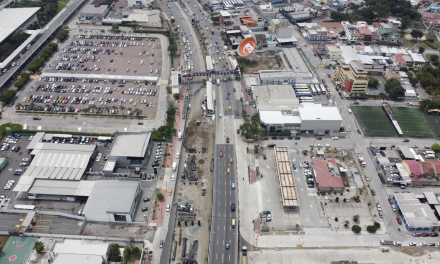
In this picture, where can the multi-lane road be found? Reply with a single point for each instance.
(224, 195)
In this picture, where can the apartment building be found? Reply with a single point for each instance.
(333, 52)
(353, 77)
(318, 34)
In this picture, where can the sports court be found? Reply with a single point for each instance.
(374, 121)
(17, 250)
(412, 122)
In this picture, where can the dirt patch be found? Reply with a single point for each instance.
(201, 139)
(408, 36)
(256, 62)
(418, 251)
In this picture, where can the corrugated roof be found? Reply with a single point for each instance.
(285, 175)
(12, 18)
(36, 139)
(67, 188)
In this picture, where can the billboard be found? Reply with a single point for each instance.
(246, 46)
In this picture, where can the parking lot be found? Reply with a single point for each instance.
(15, 158)
(132, 57)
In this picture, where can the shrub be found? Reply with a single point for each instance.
(159, 196)
(336, 219)
(377, 225)
(356, 229)
(371, 229)
(356, 218)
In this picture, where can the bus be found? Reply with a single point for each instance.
(24, 207)
(312, 87)
(212, 31)
(428, 152)
(318, 91)
(322, 88)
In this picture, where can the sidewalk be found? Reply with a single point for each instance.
(160, 215)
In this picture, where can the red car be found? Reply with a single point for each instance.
(221, 154)
(323, 81)
(183, 116)
(390, 200)
(234, 89)
(264, 138)
(319, 138)
(189, 87)
(328, 74)
(17, 149)
(399, 221)
(229, 93)
(425, 234)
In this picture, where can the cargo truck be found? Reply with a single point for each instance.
(174, 166)
(179, 135)
(387, 242)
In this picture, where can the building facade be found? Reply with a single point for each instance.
(353, 77)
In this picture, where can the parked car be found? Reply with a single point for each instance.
(399, 221)
(144, 209)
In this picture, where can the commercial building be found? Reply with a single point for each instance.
(418, 60)
(129, 149)
(353, 77)
(113, 201)
(69, 251)
(56, 171)
(215, 5)
(139, 3)
(333, 52)
(319, 120)
(417, 216)
(15, 20)
(327, 175)
(92, 12)
(226, 18)
(316, 35)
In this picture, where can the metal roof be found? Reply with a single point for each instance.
(71, 251)
(91, 9)
(312, 111)
(65, 188)
(36, 139)
(130, 144)
(430, 196)
(12, 18)
(285, 175)
(28, 219)
(112, 196)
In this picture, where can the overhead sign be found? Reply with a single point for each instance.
(246, 46)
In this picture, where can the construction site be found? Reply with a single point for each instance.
(195, 192)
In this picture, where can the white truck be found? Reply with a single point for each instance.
(174, 166)
(179, 135)
(225, 48)
(218, 81)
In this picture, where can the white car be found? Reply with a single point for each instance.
(172, 177)
(168, 208)
(335, 138)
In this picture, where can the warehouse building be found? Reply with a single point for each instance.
(417, 216)
(113, 201)
(129, 149)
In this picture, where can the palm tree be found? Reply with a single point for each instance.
(99, 109)
(54, 104)
(114, 108)
(107, 109)
(138, 112)
(122, 109)
(47, 105)
(129, 109)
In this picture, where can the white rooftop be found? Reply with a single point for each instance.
(277, 117)
(349, 54)
(12, 18)
(417, 57)
(130, 144)
(312, 111)
(80, 251)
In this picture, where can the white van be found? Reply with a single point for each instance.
(349, 111)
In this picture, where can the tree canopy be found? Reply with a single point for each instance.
(252, 129)
(394, 88)
(113, 253)
(373, 81)
(429, 78)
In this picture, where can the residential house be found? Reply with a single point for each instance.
(327, 175)
(418, 60)
(398, 59)
(364, 34)
(387, 36)
(335, 26)
(390, 73)
(352, 77)
(432, 23)
(408, 61)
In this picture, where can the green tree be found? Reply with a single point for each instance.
(376, 224)
(169, 89)
(434, 57)
(405, 22)
(39, 246)
(256, 149)
(421, 50)
(356, 229)
(8, 96)
(172, 48)
(176, 96)
(373, 81)
(347, 223)
(113, 253)
(417, 34)
(136, 252)
(160, 196)
(342, 33)
(115, 27)
(435, 148)
(245, 115)
(172, 21)
(356, 218)
(394, 88)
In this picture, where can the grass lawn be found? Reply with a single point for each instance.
(428, 56)
(62, 4)
(434, 122)
(374, 121)
(412, 122)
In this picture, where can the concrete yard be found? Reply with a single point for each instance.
(363, 255)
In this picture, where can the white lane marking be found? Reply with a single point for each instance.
(268, 167)
(260, 197)
(311, 206)
(307, 220)
(302, 189)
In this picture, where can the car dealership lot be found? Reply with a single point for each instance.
(121, 56)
